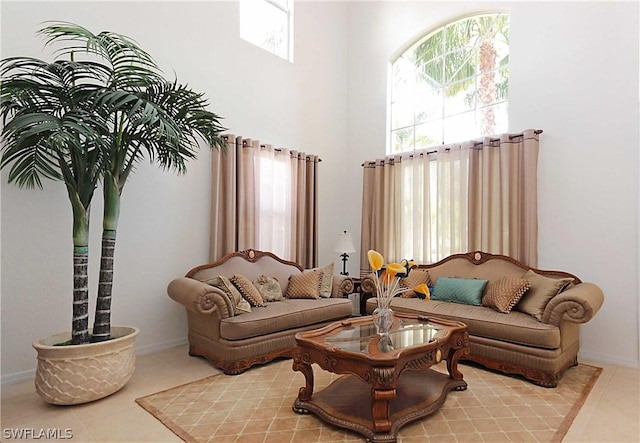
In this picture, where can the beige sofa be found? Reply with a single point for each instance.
(540, 349)
(234, 341)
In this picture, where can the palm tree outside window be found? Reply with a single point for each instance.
(451, 85)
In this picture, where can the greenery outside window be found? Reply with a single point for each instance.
(268, 24)
(451, 85)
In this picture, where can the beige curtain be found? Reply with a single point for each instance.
(460, 197)
(381, 228)
(304, 198)
(233, 197)
(264, 198)
(503, 196)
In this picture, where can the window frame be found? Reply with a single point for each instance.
(442, 116)
(284, 6)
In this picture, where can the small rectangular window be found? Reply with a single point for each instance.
(268, 24)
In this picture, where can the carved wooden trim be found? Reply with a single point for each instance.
(250, 255)
(239, 366)
(479, 257)
(541, 378)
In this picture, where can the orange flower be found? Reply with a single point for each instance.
(386, 277)
(395, 268)
(424, 290)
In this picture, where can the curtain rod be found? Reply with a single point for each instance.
(307, 156)
(478, 143)
(246, 144)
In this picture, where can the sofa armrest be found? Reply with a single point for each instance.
(578, 304)
(368, 284)
(342, 286)
(198, 297)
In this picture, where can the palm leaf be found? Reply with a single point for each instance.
(94, 113)
(131, 65)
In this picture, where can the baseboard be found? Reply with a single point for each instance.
(157, 347)
(30, 374)
(608, 359)
(18, 377)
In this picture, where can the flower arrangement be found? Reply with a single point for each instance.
(388, 278)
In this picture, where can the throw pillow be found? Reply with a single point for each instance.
(541, 291)
(503, 294)
(248, 291)
(416, 277)
(238, 304)
(467, 291)
(304, 285)
(326, 282)
(269, 288)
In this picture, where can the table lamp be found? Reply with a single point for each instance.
(345, 245)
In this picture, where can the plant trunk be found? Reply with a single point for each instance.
(487, 86)
(80, 324)
(102, 321)
(80, 321)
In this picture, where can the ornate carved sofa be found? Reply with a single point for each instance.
(232, 341)
(536, 340)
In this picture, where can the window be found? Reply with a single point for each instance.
(273, 203)
(452, 85)
(269, 25)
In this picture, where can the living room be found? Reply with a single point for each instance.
(574, 74)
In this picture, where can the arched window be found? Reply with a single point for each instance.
(451, 85)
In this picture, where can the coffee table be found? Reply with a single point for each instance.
(389, 381)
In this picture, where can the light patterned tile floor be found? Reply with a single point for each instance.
(610, 413)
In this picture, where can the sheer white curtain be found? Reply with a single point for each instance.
(274, 190)
(434, 213)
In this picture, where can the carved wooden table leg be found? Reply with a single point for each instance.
(456, 351)
(305, 392)
(380, 409)
(382, 393)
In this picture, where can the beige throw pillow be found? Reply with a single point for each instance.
(541, 291)
(248, 291)
(304, 285)
(235, 300)
(503, 294)
(326, 281)
(416, 277)
(269, 288)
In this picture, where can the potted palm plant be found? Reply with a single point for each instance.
(90, 116)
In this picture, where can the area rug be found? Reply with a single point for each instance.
(256, 407)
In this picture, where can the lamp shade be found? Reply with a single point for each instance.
(345, 243)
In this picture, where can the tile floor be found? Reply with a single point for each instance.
(610, 414)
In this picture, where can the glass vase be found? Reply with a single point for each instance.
(383, 320)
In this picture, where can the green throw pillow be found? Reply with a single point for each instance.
(467, 291)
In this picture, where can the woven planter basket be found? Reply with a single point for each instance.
(70, 375)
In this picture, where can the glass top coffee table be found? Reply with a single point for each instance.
(389, 381)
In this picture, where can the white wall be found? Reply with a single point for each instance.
(574, 74)
(163, 230)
